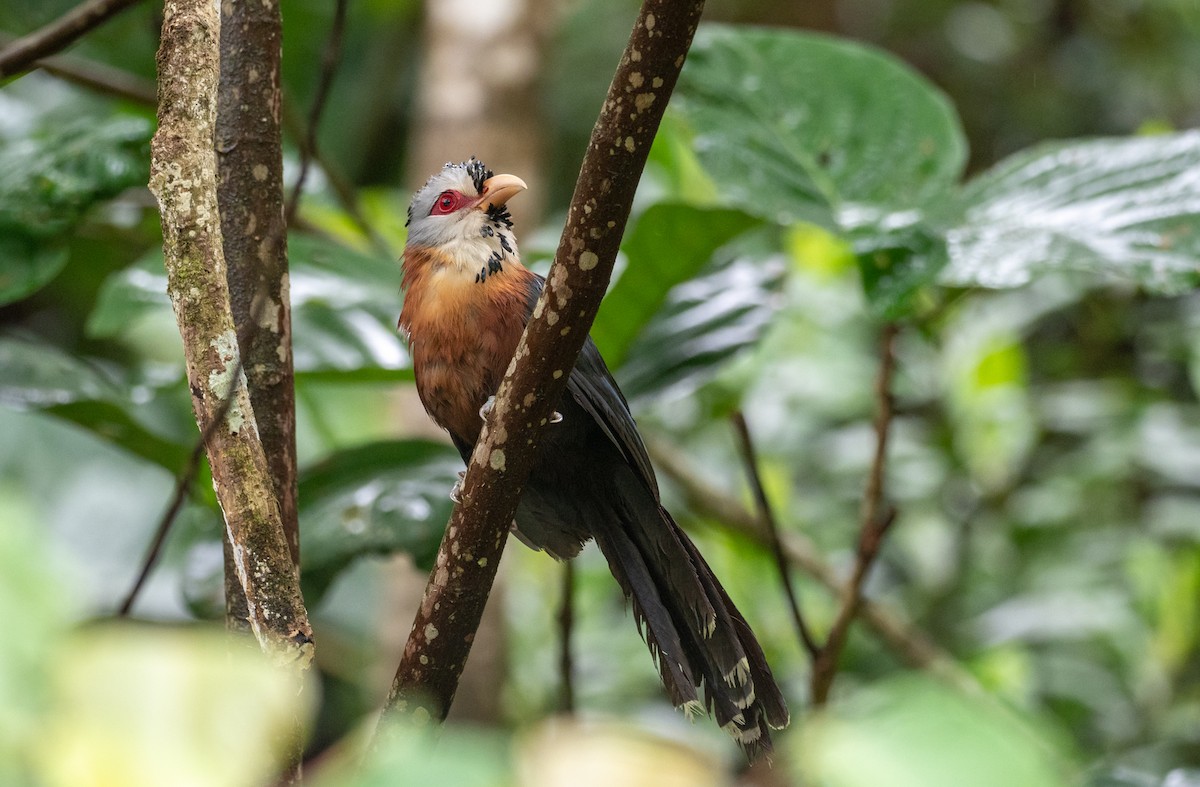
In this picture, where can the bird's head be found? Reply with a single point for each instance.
(461, 204)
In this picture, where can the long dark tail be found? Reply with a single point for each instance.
(698, 638)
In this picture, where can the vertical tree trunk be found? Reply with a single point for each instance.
(250, 193)
(183, 178)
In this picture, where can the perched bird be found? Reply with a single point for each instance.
(467, 299)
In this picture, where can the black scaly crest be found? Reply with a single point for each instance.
(478, 172)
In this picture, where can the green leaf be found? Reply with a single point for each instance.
(36, 375)
(48, 182)
(141, 706)
(37, 606)
(914, 732)
(1121, 208)
(129, 296)
(796, 126)
(707, 321)
(344, 308)
(39, 375)
(377, 499)
(27, 265)
(669, 244)
(896, 267)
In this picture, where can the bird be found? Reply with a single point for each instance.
(466, 301)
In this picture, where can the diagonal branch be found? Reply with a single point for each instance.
(330, 58)
(99, 77)
(437, 648)
(22, 54)
(767, 515)
(875, 524)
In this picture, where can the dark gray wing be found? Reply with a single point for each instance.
(593, 388)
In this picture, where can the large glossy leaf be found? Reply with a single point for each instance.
(801, 126)
(669, 244)
(1119, 208)
(47, 183)
(706, 321)
(344, 308)
(374, 500)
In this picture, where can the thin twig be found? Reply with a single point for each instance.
(750, 459)
(100, 77)
(504, 455)
(329, 62)
(339, 184)
(566, 625)
(874, 527)
(23, 54)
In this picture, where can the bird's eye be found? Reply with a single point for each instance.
(446, 202)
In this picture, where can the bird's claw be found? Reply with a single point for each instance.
(456, 490)
(555, 417)
(487, 408)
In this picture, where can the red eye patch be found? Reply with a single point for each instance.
(447, 202)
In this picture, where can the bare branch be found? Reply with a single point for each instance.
(183, 178)
(183, 484)
(566, 626)
(308, 145)
(767, 516)
(427, 677)
(22, 54)
(99, 77)
(872, 530)
(342, 188)
(250, 195)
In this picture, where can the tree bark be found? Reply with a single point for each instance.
(183, 179)
(250, 194)
(441, 637)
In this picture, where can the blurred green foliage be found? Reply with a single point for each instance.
(1045, 458)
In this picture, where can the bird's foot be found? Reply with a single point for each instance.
(487, 408)
(456, 490)
(555, 417)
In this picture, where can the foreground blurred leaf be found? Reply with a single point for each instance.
(568, 753)
(137, 706)
(800, 126)
(918, 733)
(1121, 208)
(344, 309)
(377, 499)
(413, 757)
(47, 183)
(669, 244)
(35, 610)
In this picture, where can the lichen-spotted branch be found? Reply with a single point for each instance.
(183, 178)
(466, 563)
